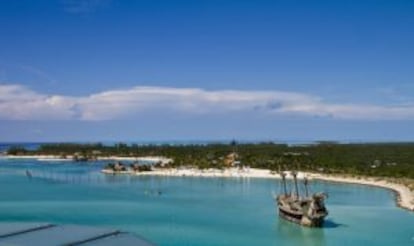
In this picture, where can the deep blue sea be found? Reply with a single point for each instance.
(194, 211)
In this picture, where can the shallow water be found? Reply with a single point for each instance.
(194, 211)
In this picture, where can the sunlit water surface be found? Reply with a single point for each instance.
(194, 211)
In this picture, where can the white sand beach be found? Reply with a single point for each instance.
(404, 198)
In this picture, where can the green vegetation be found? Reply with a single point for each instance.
(393, 160)
(17, 150)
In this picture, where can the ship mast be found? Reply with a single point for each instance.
(294, 174)
(306, 182)
(283, 175)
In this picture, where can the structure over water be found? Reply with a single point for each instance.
(307, 210)
(21, 234)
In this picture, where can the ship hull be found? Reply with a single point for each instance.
(300, 219)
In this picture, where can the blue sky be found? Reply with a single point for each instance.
(79, 70)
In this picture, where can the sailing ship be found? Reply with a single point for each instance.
(307, 210)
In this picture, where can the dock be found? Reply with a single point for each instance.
(22, 234)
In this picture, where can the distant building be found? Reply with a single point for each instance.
(231, 159)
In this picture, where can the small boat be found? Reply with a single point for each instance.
(307, 210)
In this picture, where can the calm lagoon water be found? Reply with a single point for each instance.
(194, 211)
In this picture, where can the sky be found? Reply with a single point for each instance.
(165, 70)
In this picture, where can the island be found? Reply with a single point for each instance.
(388, 165)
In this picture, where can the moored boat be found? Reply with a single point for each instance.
(307, 210)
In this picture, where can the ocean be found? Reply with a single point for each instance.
(194, 210)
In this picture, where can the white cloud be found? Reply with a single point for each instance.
(21, 103)
(18, 102)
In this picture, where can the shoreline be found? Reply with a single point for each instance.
(102, 158)
(404, 196)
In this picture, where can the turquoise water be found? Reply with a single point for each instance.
(194, 211)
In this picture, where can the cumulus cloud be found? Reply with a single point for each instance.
(20, 103)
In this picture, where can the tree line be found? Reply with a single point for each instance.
(372, 159)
